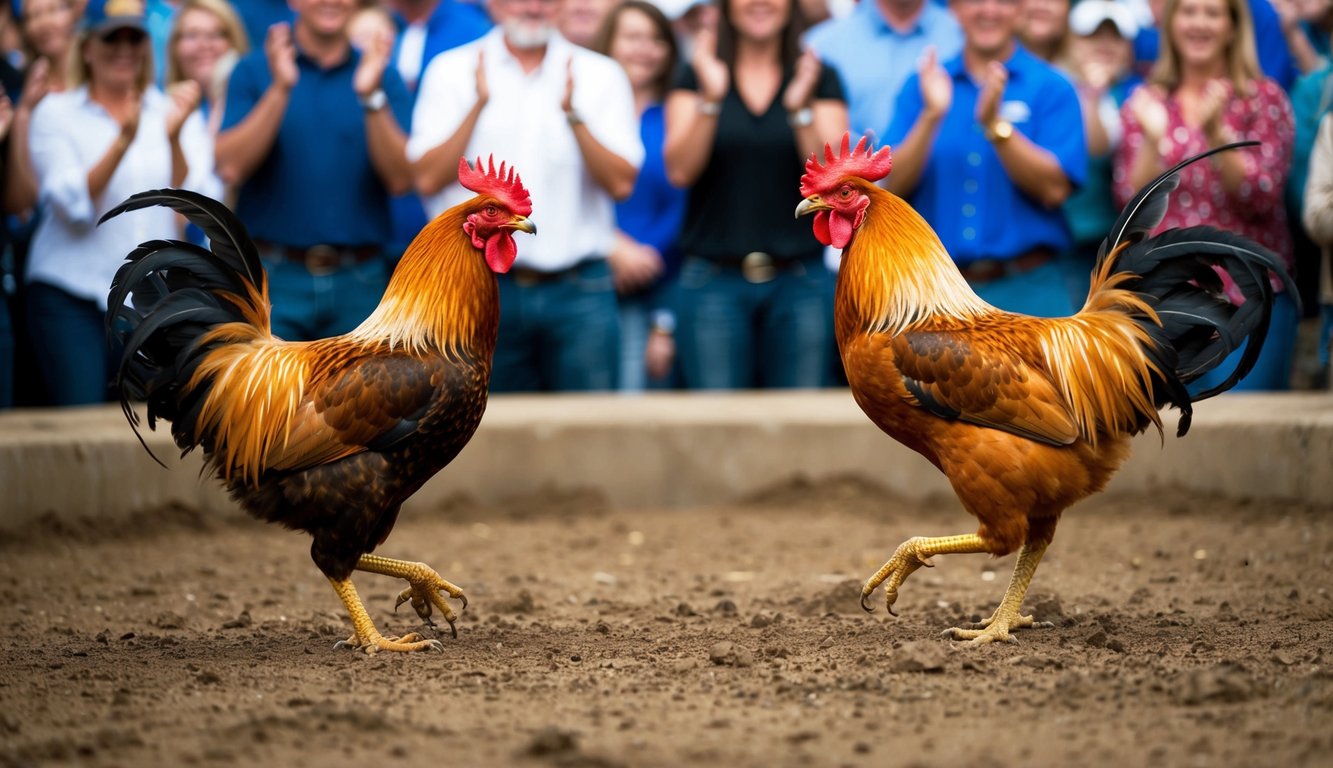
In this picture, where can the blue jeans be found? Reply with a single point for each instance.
(1041, 292)
(69, 341)
(307, 306)
(6, 354)
(734, 334)
(1272, 371)
(558, 336)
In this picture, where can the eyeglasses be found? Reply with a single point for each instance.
(132, 37)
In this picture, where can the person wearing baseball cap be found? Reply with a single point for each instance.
(111, 134)
(1100, 61)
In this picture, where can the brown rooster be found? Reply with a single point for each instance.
(329, 436)
(1024, 415)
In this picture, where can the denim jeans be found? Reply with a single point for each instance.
(1041, 292)
(735, 334)
(1272, 371)
(69, 340)
(560, 335)
(7, 347)
(307, 306)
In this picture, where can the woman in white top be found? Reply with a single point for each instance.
(110, 135)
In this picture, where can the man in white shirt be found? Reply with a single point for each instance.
(564, 117)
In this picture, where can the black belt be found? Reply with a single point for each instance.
(526, 276)
(986, 270)
(323, 259)
(761, 267)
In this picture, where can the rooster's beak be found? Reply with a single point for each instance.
(811, 204)
(522, 224)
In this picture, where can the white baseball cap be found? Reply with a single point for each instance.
(1086, 16)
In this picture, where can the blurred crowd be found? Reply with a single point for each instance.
(662, 142)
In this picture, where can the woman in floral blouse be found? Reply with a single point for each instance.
(1206, 90)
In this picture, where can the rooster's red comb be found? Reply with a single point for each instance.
(871, 166)
(507, 188)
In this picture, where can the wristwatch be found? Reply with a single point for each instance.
(573, 117)
(999, 131)
(801, 117)
(664, 322)
(375, 100)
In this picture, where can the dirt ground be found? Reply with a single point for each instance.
(1188, 632)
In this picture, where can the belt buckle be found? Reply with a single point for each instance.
(322, 260)
(757, 267)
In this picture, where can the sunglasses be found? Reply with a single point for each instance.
(132, 37)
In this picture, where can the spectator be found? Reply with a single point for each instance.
(159, 18)
(47, 35)
(427, 28)
(580, 19)
(876, 47)
(755, 299)
(1306, 25)
(1044, 31)
(312, 139)
(112, 134)
(1206, 90)
(645, 258)
(1100, 61)
(987, 147)
(564, 116)
(1274, 55)
(206, 41)
(1318, 218)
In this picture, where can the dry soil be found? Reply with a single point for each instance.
(1189, 631)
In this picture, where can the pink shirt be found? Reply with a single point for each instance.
(1257, 210)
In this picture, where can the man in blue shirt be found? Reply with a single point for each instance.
(312, 137)
(987, 146)
(876, 47)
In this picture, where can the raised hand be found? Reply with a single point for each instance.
(36, 84)
(992, 92)
(185, 97)
(936, 85)
(1148, 106)
(801, 90)
(1212, 106)
(567, 101)
(374, 59)
(483, 89)
(281, 53)
(714, 79)
(129, 127)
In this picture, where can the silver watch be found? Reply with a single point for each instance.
(801, 117)
(375, 101)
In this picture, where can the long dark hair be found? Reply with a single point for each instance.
(791, 35)
(602, 41)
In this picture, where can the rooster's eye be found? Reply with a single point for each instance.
(491, 210)
(845, 192)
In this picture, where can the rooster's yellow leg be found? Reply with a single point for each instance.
(424, 590)
(367, 638)
(1007, 616)
(912, 554)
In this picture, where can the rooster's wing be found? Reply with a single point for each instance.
(983, 379)
(374, 404)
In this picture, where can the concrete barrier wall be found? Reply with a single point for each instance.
(666, 450)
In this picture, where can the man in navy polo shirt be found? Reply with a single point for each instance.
(987, 146)
(312, 138)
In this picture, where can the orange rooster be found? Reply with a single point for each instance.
(328, 436)
(1024, 415)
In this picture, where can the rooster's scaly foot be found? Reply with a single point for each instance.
(997, 628)
(426, 589)
(906, 558)
(377, 642)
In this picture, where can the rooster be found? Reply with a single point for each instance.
(1024, 415)
(328, 436)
